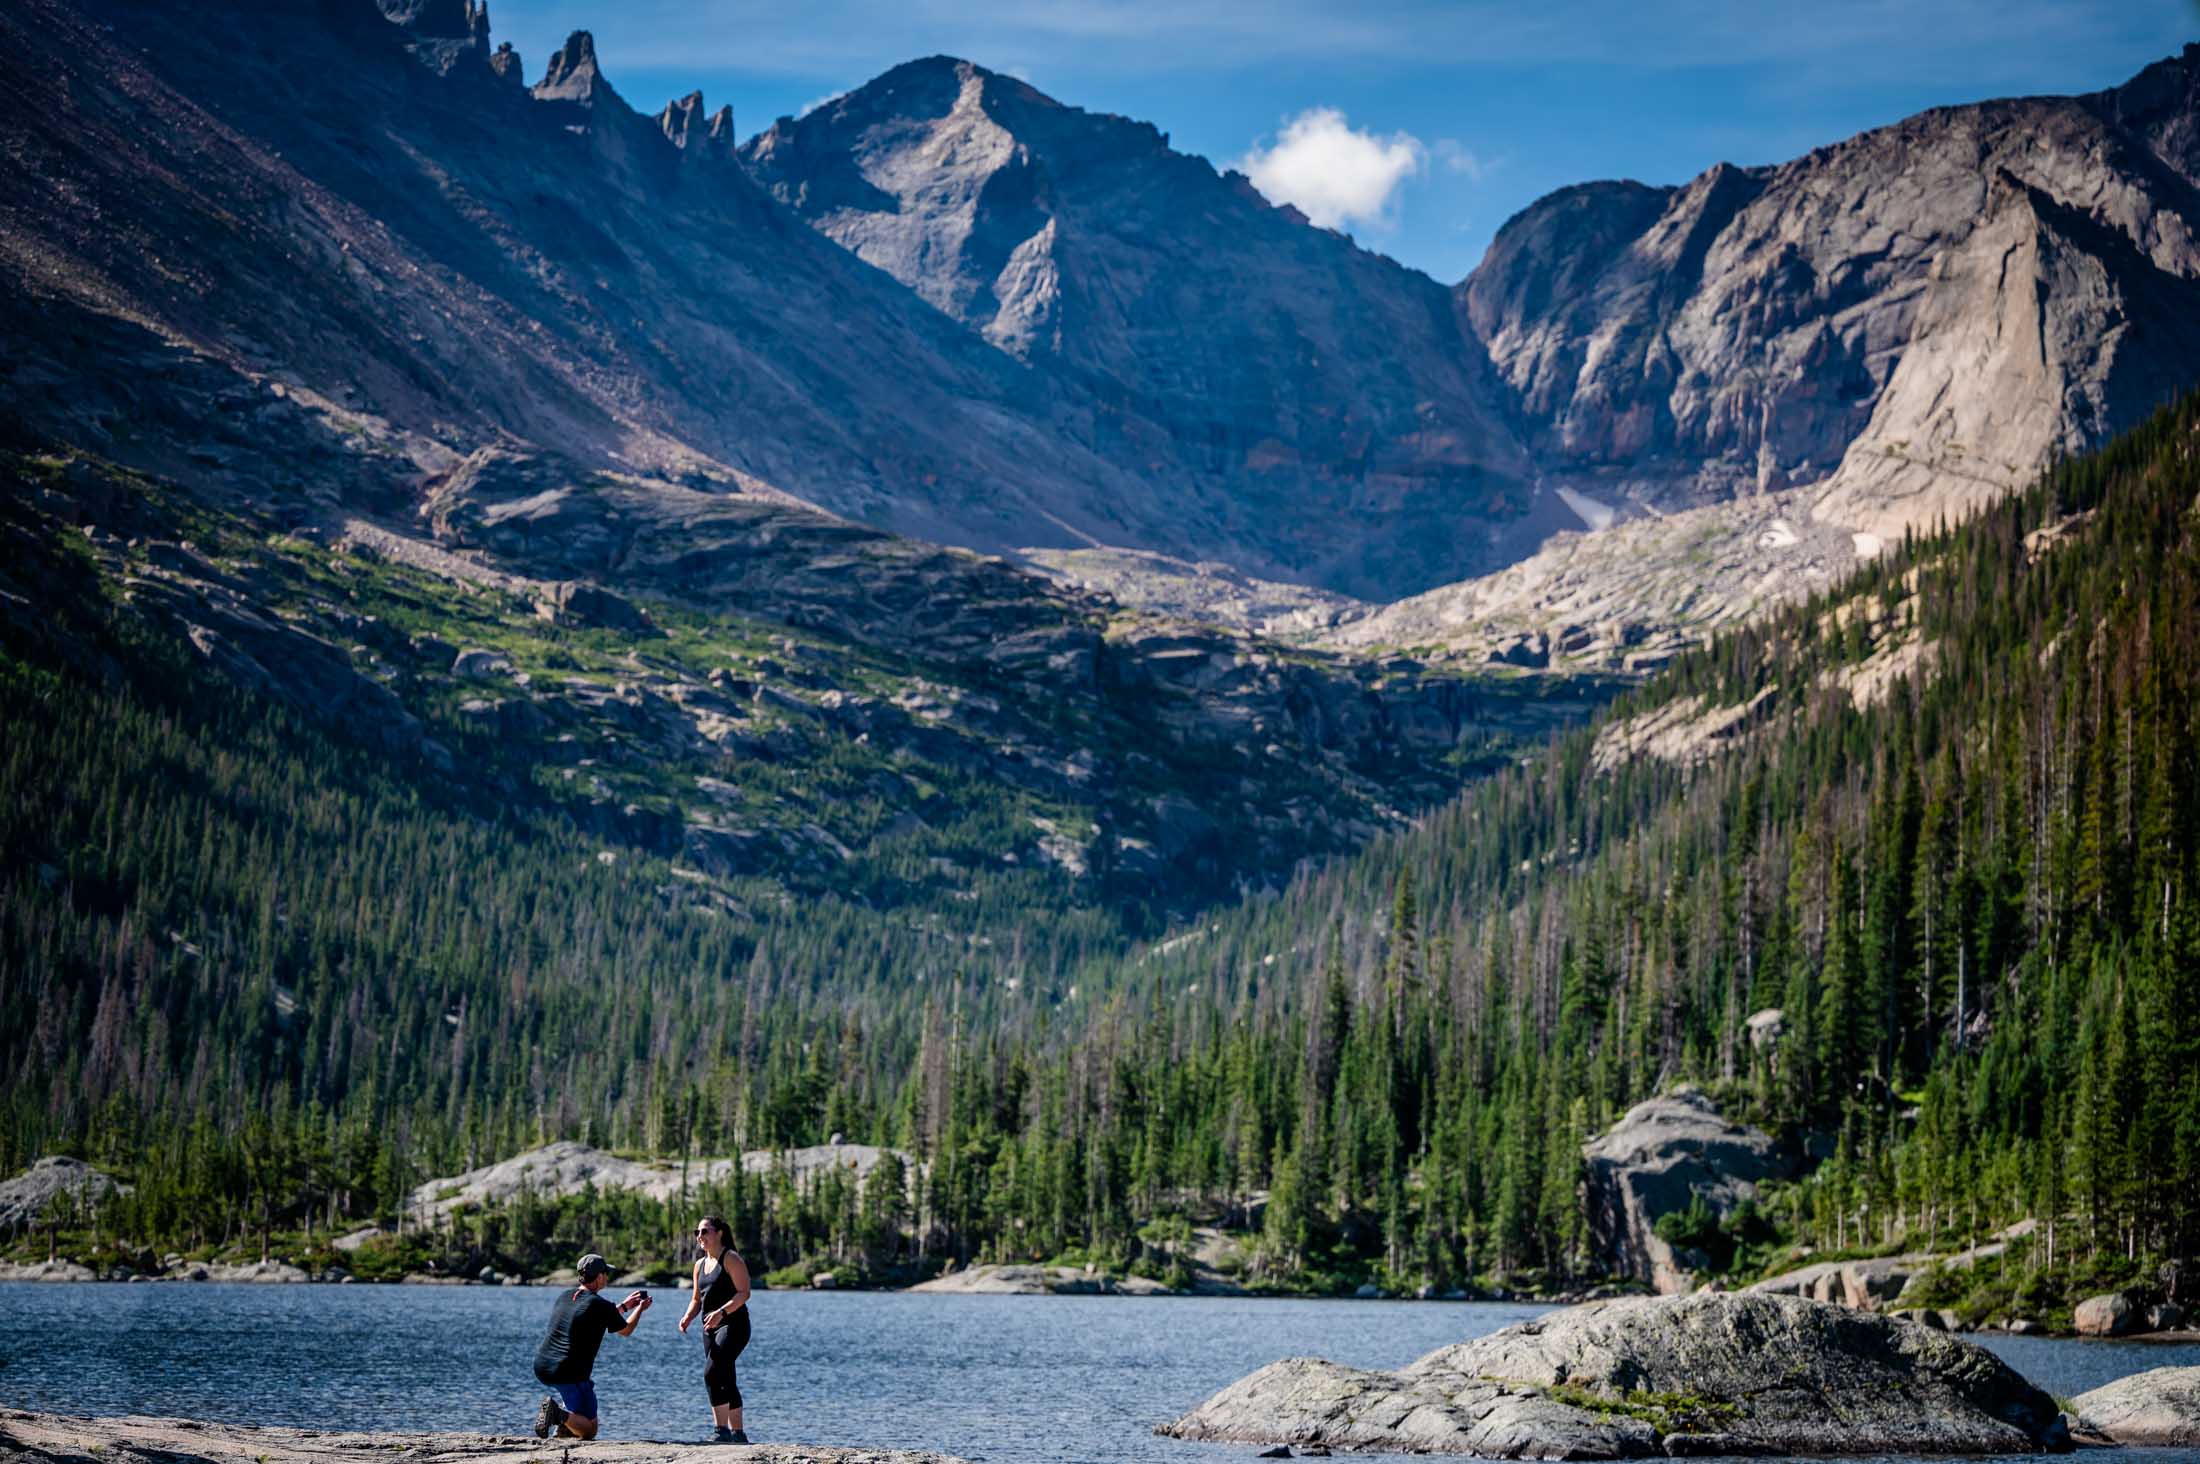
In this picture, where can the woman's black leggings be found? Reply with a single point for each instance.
(720, 1348)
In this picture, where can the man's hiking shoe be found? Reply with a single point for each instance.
(739, 1437)
(548, 1417)
(722, 1435)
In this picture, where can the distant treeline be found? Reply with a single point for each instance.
(259, 972)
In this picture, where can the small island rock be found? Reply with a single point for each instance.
(2159, 1408)
(1707, 1374)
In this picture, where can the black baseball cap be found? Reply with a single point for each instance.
(593, 1265)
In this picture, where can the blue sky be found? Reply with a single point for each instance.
(1418, 125)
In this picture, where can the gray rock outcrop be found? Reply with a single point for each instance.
(565, 1168)
(1664, 1155)
(1708, 1374)
(1867, 1285)
(593, 607)
(24, 1199)
(49, 1438)
(2159, 1408)
(1871, 1284)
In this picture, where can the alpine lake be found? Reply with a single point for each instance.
(993, 1379)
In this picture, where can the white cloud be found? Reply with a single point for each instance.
(1333, 174)
(824, 101)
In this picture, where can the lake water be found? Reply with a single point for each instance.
(993, 1379)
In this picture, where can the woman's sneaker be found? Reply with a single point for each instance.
(548, 1417)
(739, 1437)
(722, 1435)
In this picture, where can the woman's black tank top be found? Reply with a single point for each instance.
(717, 1285)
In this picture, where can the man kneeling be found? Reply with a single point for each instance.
(566, 1360)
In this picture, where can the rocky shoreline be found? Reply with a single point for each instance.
(2160, 1324)
(53, 1438)
(265, 1273)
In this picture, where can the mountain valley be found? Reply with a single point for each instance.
(950, 624)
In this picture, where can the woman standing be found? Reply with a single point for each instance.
(721, 1293)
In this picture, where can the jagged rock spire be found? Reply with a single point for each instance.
(679, 119)
(572, 75)
(505, 63)
(684, 123)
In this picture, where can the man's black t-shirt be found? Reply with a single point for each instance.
(577, 1325)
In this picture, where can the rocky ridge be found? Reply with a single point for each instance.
(1816, 356)
(1320, 384)
(463, 262)
(467, 262)
(1101, 344)
(1678, 1376)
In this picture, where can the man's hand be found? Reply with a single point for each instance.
(639, 1300)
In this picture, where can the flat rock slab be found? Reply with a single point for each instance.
(51, 1438)
(1015, 1280)
(2159, 1408)
(1671, 1375)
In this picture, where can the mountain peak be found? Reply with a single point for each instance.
(932, 86)
(938, 65)
(573, 75)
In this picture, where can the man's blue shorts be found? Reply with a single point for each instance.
(579, 1399)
